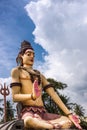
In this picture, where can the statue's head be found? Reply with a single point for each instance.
(24, 46)
(26, 54)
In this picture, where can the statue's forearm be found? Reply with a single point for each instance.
(57, 100)
(21, 97)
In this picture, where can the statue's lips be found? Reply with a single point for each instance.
(31, 60)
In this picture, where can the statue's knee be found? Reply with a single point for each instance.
(28, 121)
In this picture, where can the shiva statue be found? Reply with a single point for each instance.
(27, 86)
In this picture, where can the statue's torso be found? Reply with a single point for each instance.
(27, 87)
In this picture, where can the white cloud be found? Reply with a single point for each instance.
(61, 29)
(7, 56)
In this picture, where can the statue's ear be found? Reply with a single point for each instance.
(19, 60)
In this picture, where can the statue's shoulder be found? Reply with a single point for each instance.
(15, 71)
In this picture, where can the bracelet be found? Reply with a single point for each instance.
(69, 114)
(33, 97)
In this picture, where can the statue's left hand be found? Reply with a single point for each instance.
(75, 119)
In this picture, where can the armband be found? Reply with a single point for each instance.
(15, 84)
(48, 86)
(69, 114)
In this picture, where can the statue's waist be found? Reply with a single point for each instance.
(37, 102)
(32, 109)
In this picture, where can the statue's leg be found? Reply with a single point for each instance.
(63, 121)
(37, 123)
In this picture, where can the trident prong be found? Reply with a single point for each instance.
(5, 92)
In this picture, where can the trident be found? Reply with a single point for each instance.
(5, 92)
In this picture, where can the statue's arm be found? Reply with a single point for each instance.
(16, 94)
(50, 90)
(57, 100)
(74, 118)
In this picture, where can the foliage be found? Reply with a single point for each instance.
(78, 109)
(1, 109)
(9, 111)
(83, 124)
(58, 85)
(53, 108)
(49, 104)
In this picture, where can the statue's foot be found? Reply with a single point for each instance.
(36, 90)
(57, 126)
(67, 125)
(61, 124)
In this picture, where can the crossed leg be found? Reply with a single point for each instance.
(38, 123)
(63, 122)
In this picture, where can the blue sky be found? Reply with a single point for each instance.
(57, 30)
(15, 26)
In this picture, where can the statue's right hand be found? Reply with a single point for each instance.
(36, 90)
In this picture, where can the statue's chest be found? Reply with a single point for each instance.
(27, 79)
(33, 75)
(24, 75)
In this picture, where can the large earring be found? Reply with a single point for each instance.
(19, 60)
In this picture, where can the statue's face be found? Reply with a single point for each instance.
(28, 57)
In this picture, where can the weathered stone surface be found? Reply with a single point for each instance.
(19, 125)
(12, 125)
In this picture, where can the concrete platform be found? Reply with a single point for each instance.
(19, 125)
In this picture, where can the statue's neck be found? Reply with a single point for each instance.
(27, 66)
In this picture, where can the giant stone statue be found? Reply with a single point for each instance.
(27, 86)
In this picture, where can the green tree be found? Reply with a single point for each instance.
(84, 124)
(78, 109)
(9, 111)
(49, 103)
(56, 84)
(1, 109)
(52, 107)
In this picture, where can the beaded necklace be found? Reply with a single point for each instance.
(33, 75)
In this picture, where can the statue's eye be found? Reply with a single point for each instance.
(28, 54)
